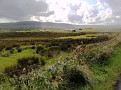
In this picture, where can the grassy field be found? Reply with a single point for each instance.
(12, 59)
(39, 60)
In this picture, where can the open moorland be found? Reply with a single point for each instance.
(65, 60)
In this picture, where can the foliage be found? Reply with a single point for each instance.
(63, 73)
(75, 77)
(24, 66)
(42, 62)
(19, 49)
(28, 61)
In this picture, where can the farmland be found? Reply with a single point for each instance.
(66, 60)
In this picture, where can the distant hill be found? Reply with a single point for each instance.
(26, 25)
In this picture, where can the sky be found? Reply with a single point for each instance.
(61, 11)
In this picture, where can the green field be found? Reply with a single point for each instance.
(39, 60)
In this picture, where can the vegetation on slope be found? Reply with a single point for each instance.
(89, 66)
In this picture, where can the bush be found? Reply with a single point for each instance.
(103, 58)
(12, 51)
(1, 48)
(8, 48)
(28, 61)
(42, 62)
(33, 47)
(47, 52)
(39, 48)
(9, 71)
(64, 47)
(75, 77)
(19, 50)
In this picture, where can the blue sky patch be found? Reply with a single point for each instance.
(92, 2)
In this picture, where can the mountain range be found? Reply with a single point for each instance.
(26, 25)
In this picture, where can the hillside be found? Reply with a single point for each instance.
(25, 25)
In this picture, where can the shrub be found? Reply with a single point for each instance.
(2, 78)
(39, 48)
(75, 77)
(64, 47)
(8, 48)
(12, 51)
(1, 48)
(33, 47)
(103, 58)
(47, 52)
(15, 45)
(6, 55)
(28, 61)
(9, 71)
(19, 50)
(42, 62)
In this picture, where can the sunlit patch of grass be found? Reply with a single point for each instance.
(56, 31)
(12, 59)
(41, 30)
(80, 37)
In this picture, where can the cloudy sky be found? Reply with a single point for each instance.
(61, 11)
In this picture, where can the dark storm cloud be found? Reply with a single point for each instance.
(23, 9)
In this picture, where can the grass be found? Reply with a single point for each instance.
(106, 81)
(62, 31)
(57, 58)
(103, 81)
(12, 59)
(28, 52)
(88, 36)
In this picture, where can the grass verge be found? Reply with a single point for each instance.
(106, 76)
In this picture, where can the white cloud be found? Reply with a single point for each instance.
(65, 11)
(78, 12)
(5, 20)
(118, 17)
(105, 14)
